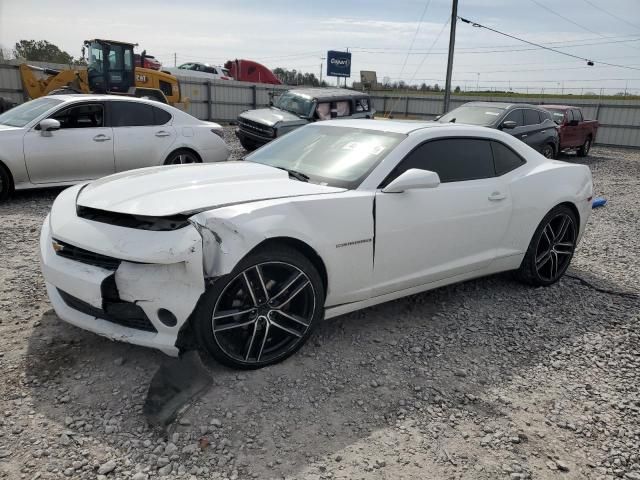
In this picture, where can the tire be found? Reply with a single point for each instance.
(548, 151)
(247, 145)
(6, 183)
(551, 248)
(182, 156)
(279, 279)
(583, 151)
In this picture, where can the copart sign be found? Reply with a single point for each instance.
(338, 64)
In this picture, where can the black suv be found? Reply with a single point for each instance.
(531, 124)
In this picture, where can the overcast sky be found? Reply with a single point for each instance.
(296, 34)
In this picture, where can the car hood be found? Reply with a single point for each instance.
(189, 189)
(271, 116)
(8, 128)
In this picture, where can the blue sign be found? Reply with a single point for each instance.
(338, 64)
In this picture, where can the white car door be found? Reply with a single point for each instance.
(426, 235)
(81, 150)
(142, 134)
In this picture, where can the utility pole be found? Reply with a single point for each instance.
(175, 59)
(321, 64)
(452, 42)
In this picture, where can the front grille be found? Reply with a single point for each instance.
(255, 127)
(119, 312)
(85, 256)
(127, 220)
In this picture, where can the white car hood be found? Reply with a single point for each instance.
(188, 189)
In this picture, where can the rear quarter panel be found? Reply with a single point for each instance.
(545, 186)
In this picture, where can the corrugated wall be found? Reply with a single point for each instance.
(223, 100)
(619, 120)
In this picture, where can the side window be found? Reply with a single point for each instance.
(324, 111)
(569, 115)
(577, 114)
(515, 116)
(81, 116)
(531, 117)
(342, 108)
(131, 114)
(362, 105)
(453, 159)
(505, 159)
(160, 116)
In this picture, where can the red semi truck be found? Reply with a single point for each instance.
(250, 71)
(576, 133)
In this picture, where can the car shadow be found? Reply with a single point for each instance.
(358, 375)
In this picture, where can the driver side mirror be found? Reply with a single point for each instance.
(509, 124)
(412, 179)
(48, 125)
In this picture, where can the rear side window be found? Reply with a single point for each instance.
(569, 115)
(505, 159)
(531, 117)
(515, 116)
(160, 116)
(453, 159)
(81, 116)
(131, 114)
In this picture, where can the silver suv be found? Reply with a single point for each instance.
(295, 108)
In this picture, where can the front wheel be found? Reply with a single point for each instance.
(551, 248)
(6, 185)
(262, 312)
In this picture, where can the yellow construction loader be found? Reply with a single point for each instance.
(110, 69)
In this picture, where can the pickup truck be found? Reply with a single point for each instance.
(576, 133)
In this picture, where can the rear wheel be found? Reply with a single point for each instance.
(262, 312)
(182, 156)
(583, 151)
(551, 248)
(547, 151)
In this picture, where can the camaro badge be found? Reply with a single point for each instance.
(356, 242)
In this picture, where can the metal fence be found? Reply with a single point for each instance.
(619, 120)
(223, 100)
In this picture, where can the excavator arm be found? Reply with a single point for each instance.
(49, 80)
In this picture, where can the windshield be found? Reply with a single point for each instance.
(22, 114)
(558, 115)
(329, 155)
(472, 115)
(294, 103)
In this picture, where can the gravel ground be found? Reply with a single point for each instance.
(484, 380)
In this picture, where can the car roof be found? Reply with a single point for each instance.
(321, 93)
(102, 97)
(563, 107)
(394, 126)
(502, 105)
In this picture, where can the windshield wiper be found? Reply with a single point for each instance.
(297, 175)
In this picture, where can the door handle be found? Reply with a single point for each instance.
(497, 196)
(543, 131)
(101, 138)
(524, 135)
(162, 133)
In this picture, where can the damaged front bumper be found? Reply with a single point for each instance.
(130, 285)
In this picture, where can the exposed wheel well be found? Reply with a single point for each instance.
(573, 208)
(303, 248)
(181, 149)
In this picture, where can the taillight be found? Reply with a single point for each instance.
(218, 131)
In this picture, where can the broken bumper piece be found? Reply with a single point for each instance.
(129, 285)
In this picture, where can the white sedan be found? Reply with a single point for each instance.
(65, 139)
(246, 257)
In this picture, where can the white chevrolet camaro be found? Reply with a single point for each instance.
(247, 257)
(65, 139)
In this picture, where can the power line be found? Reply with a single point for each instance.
(597, 7)
(415, 35)
(589, 62)
(569, 20)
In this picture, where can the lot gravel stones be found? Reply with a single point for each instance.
(484, 380)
